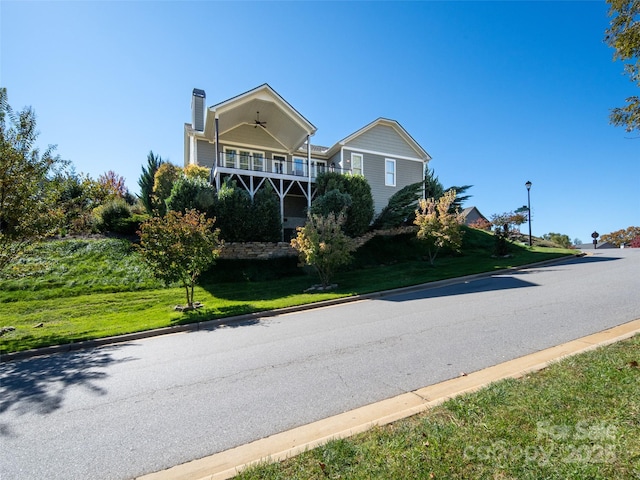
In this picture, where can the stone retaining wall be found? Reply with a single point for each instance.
(266, 251)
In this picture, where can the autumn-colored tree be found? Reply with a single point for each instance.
(621, 237)
(623, 35)
(437, 226)
(178, 248)
(163, 181)
(481, 224)
(114, 184)
(322, 244)
(27, 197)
(196, 171)
(504, 224)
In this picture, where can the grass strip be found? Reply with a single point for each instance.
(577, 419)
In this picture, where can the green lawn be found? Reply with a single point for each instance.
(578, 419)
(73, 290)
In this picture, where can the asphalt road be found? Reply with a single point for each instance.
(120, 411)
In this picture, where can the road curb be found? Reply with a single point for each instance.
(281, 446)
(239, 319)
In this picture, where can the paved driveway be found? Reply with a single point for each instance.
(128, 409)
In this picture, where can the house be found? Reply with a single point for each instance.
(472, 216)
(258, 137)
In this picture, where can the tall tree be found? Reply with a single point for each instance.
(623, 35)
(400, 207)
(27, 199)
(146, 180)
(432, 186)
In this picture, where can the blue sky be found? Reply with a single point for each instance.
(498, 93)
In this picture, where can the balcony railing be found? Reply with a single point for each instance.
(256, 162)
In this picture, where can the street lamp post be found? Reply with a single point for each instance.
(528, 185)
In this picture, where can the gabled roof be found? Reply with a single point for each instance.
(283, 122)
(421, 153)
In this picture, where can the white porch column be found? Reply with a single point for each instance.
(217, 153)
(309, 174)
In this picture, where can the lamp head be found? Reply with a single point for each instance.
(528, 185)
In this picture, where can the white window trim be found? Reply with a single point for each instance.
(299, 161)
(314, 166)
(395, 173)
(282, 161)
(236, 159)
(353, 156)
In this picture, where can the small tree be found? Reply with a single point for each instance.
(322, 244)
(178, 248)
(439, 228)
(558, 238)
(504, 224)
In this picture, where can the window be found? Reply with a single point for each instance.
(318, 167)
(230, 157)
(258, 161)
(278, 164)
(244, 159)
(390, 172)
(356, 163)
(299, 166)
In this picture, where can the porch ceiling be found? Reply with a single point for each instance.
(283, 122)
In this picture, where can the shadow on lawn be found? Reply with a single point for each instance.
(40, 384)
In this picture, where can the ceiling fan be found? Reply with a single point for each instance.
(258, 122)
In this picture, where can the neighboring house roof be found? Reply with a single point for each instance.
(472, 214)
(415, 146)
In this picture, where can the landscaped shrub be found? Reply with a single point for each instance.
(109, 217)
(333, 201)
(360, 213)
(190, 193)
(265, 223)
(232, 211)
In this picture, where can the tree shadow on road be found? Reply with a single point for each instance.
(40, 384)
(487, 284)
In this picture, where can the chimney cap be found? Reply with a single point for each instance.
(198, 93)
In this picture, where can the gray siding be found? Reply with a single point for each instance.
(206, 154)
(407, 172)
(383, 138)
